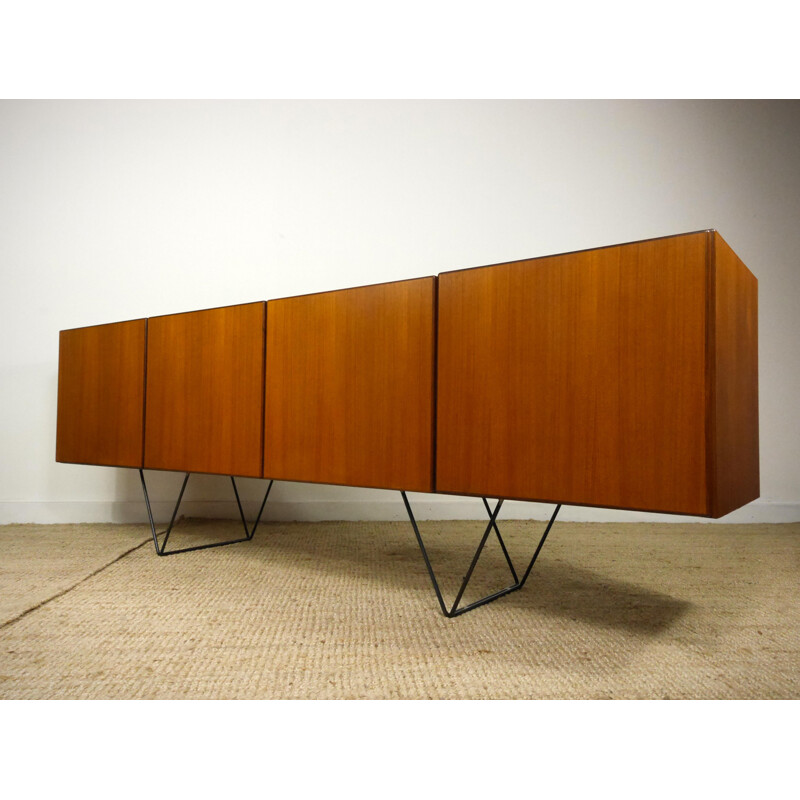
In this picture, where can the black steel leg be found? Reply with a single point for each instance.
(161, 549)
(454, 611)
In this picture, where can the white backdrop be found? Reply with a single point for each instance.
(118, 210)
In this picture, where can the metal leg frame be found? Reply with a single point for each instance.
(161, 549)
(455, 611)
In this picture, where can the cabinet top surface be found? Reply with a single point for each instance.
(214, 308)
(584, 250)
(353, 288)
(104, 324)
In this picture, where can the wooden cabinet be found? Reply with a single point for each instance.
(101, 394)
(624, 376)
(205, 391)
(349, 386)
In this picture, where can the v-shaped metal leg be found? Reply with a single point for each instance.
(454, 610)
(161, 549)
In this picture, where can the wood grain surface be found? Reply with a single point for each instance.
(349, 386)
(625, 376)
(578, 378)
(101, 394)
(735, 455)
(205, 384)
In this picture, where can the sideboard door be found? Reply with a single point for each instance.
(349, 386)
(205, 381)
(101, 394)
(579, 378)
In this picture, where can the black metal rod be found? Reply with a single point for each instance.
(488, 599)
(149, 511)
(174, 514)
(502, 543)
(455, 611)
(204, 546)
(261, 510)
(492, 518)
(161, 549)
(239, 504)
(541, 543)
(425, 555)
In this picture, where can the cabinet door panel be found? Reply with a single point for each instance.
(205, 382)
(349, 386)
(578, 378)
(101, 394)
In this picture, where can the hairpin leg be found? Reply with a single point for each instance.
(161, 549)
(455, 611)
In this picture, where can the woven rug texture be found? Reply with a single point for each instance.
(346, 610)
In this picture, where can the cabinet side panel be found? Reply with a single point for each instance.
(736, 473)
(577, 378)
(349, 387)
(101, 394)
(205, 372)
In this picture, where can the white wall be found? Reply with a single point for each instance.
(117, 210)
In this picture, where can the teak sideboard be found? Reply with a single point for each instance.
(622, 377)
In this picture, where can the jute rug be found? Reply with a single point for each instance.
(346, 610)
